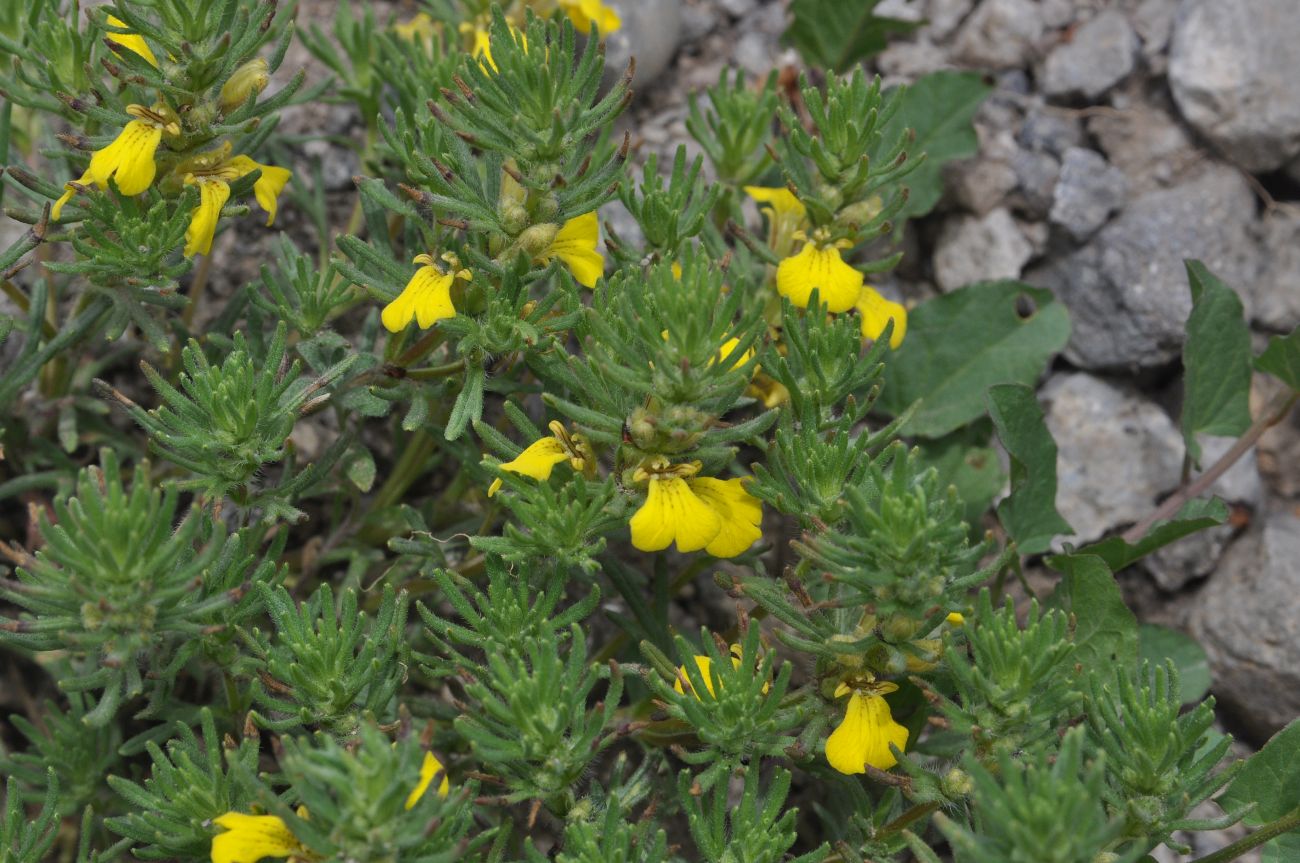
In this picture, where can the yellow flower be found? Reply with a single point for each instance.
(426, 299)
(543, 454)
(705, 665)
(819, 266)
(213, 172)
(129, 158)
(249, 838)
(868, 729)
(132, 42)
(781, 202)
(768, 390)
(429, 769)
(876, 312)
(956, 618)
(728, 347)
(584, 13)
(716, 515)
(575, 245)
(421, 27)
(482, 39)
(248, 80)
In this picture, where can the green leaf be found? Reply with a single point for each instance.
(1283, 849)
(1270, 779)
(361, 469)
(1195, 515)
(1281, 359)
(1216, 359)
(965, 461)
(1158, 643)
(1105, 630)
(960, 344)
(938, 108)
(835, 34)
(1029, 512)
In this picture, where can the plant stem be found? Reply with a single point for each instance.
(1285, 824)
(1272, 415)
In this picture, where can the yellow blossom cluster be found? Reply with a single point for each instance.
(130, 159)
(818, 265)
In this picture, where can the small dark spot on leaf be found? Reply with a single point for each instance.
(1026, 308)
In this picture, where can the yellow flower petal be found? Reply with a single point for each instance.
(768, 390)
(956, 618)
(739, 514)
(820, 267)
(863, 738)
(780, 199)
(132, 42)
(129, 159)
(430, 768)
(68, 191)
(213, 194)
(728, 347)
(421, 26)
(426, 299)
(249, 838)
(673, 512)
(537, 461)
(584, 13)
(575, 245)
(270, 183)
(877, 312)
(705, 665)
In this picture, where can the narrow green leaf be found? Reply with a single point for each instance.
(938, 108)
(1196, 515)
(1158, 643)
(1271, 778)
(1029, 512)
(835, 34)
(1216, 359)
(1105, 629)
(960, 344)
(1281, 359)
(469, 404)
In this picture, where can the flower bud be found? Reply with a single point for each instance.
(514, 218)
(899, 628)
(956, 784)
(538, 238)
(248, 80)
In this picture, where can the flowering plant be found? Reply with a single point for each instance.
(696, 567)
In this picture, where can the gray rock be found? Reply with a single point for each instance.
(1101, 54)
(979, 184)
(1127, 289)
(1248, 620)
(1233, 68)
(1050, 131)
(1147, 143)
(1000, 34)
(1036, 176)
(1196, 556)
(1104, 433)
(1088, 191)
(944, 16)
(755, 53)
(906, 60)
(651, 32)
(698, 21)
(902, 10)
(738, 8)
(974, 249)
(1153, 20)
(1276, 292)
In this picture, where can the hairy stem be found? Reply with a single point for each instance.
(1271, 416)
